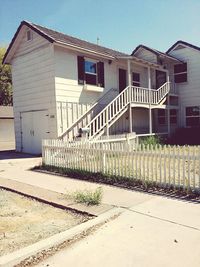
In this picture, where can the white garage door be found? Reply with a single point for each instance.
(34, 129)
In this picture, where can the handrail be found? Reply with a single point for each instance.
(128, 95)
(83, 116)
(108, 105)
(109, 112)
(131, 94)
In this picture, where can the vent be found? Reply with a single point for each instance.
(29, 35)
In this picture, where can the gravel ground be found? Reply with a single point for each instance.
(24, 221)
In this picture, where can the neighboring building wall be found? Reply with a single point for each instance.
(189, 92)
(7, 136)
(33, 82)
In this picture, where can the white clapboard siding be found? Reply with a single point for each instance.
(189, 93)
(166, 166)
(33, 78)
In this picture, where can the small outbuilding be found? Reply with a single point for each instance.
(7, 133)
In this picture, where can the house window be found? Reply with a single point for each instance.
(180, 73)
(193, 116)
(173, 116)
(91, 72)
(29, 35)
(136, 79)
(161, 116)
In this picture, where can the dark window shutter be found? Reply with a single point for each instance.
(100, 73)
(81, 70)
(122, 79)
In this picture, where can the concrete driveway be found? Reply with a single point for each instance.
(152, 230)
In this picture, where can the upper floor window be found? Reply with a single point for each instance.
(193, 116)
(90, 71)
(180, 73)
(136, 79)
(29, 35)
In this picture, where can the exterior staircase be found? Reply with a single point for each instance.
(131, 95)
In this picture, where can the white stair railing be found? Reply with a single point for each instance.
(116, 108)
(84, 119)
(146, 96)
(113, 109)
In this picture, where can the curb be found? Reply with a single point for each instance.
(18, 256)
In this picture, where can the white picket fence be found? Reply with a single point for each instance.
(165, 165)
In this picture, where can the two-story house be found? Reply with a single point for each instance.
(61, 84)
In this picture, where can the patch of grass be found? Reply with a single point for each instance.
(88, 197)
(151, 140)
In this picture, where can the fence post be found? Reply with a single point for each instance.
(103, 162)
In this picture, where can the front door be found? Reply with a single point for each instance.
(34, 129)
(161, 78)
(122, 80)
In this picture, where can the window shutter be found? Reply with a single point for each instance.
(122, 79)
(100, 73)
(81, 71)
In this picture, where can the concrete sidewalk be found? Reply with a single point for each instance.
(153, 230)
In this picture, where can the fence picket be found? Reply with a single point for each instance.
(168, 166)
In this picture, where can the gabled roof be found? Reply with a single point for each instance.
(183, 43)
(57, 37)
(154, 51)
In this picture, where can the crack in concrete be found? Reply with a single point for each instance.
(158, 218)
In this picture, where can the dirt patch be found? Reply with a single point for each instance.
(24, 221)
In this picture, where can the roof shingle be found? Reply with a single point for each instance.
(67, 39)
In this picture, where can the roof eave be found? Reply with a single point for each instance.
(4, 61)
(140, 60)
(155, 53)
(183, 43)
(79, 48)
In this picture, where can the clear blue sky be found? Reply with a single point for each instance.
(120, 24)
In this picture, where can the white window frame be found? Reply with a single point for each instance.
(136, 81)
(179, 73)
(191, 116)
(93, 61)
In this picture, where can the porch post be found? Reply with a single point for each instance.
(129, 72)
(168, 108)
(130, 119)
(150, 113)
(130, 108)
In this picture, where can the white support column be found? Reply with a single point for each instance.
(168, 108)
(129, 72)
(130, 84)
(130, 119)
(150, 99)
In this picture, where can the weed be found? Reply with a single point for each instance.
(88, 197)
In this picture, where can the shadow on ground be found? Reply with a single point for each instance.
(12, 154)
